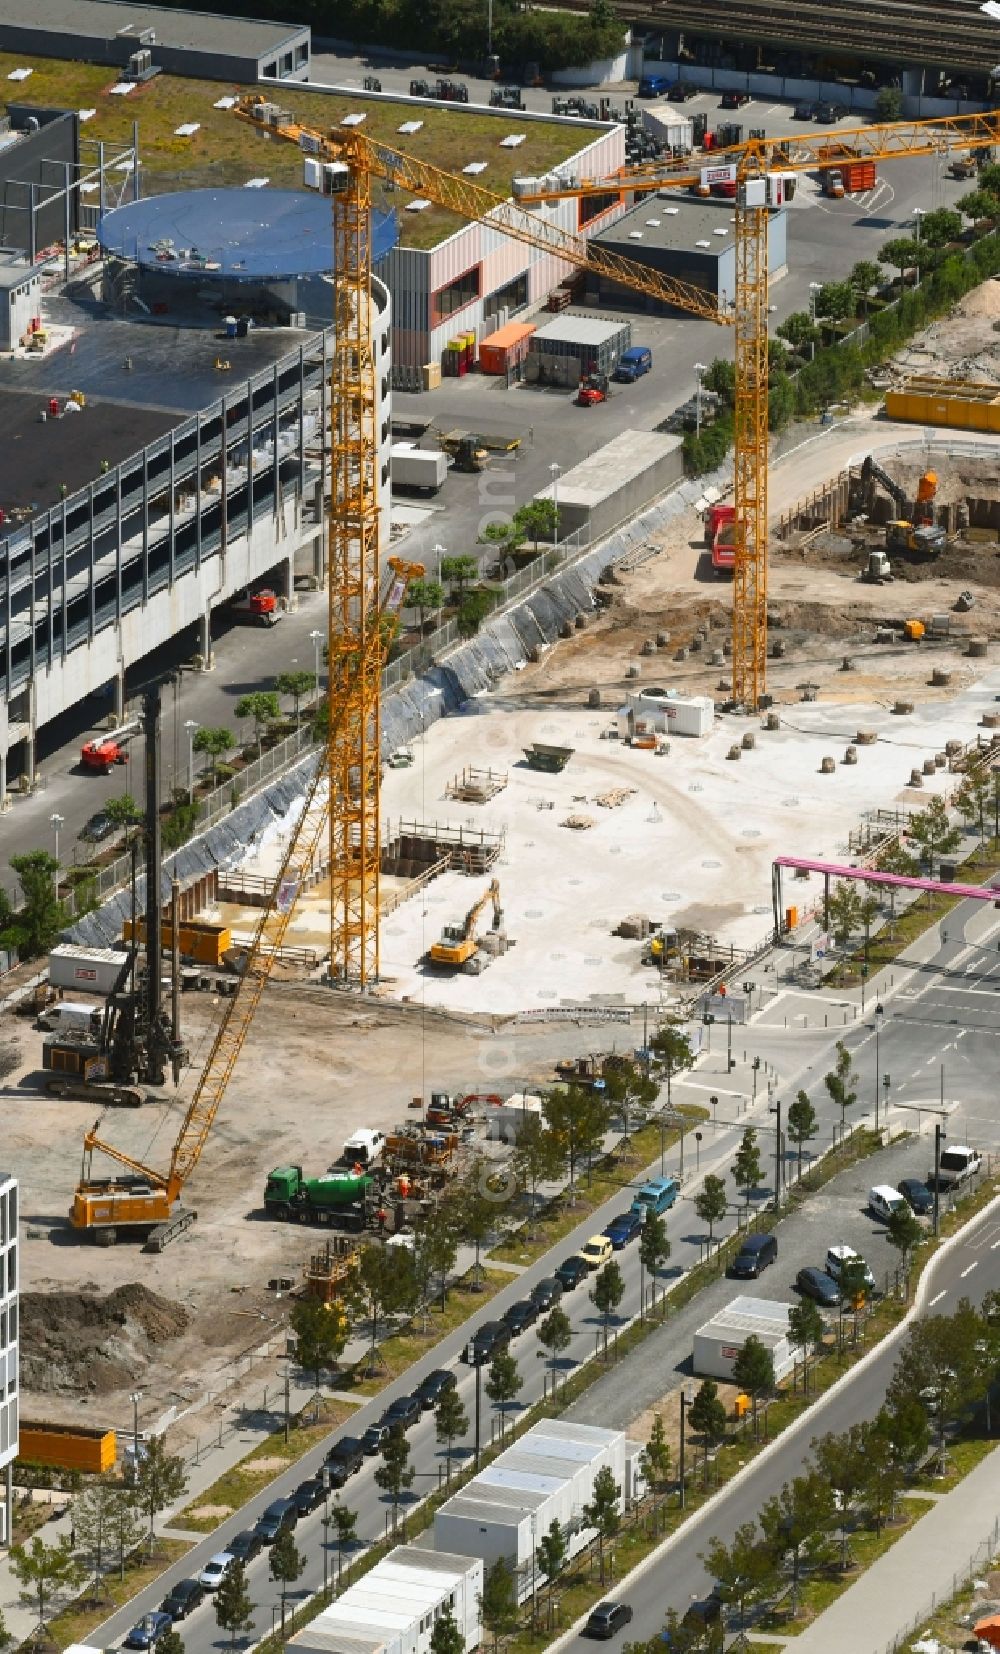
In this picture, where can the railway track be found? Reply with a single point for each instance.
(954, 36)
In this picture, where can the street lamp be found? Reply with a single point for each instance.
(779, 1159)
(439, 552)
(325, 1478)
(939, 1134)
(879, 1019)
(191, 726)
(135, 1398)
(815, 288)
(685, 1404)
(56, 821)
(918, 214)
(554, 473)
(316, 639)
(699, 369)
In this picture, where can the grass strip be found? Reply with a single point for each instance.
(74, 1623)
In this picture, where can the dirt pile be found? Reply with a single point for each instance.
(73, 1341)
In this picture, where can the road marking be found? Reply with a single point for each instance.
(960, 988)
(937, 1299)
(968, 1271)
(994, 1246)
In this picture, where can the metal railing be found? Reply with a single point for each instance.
(219, 802)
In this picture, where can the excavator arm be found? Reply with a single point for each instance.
(492, 894)
(92, 1141)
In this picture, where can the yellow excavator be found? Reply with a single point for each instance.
(457, 948)
(145, 1202)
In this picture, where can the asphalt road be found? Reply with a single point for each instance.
(246, 657)
(676, 1575)
(837, 1215)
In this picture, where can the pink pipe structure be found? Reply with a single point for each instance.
(869, 875)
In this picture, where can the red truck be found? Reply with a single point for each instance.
(719, 521)
(259, 608)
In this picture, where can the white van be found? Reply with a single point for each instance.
(69, 1016)
(957, 1164)
(364, 1147)
(884, 1201)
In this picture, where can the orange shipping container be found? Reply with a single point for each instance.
(506, 347)
(68, 1447)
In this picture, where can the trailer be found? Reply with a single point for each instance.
(67, 1446)
(422, 470)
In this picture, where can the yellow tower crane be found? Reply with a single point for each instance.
(147, 1198)
(760, 169)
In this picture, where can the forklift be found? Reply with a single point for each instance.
(594, 388)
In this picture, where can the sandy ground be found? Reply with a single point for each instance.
(690, 843)
(313, 1069)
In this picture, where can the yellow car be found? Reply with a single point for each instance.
(597, 1251)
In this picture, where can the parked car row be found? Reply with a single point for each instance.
(825, 1286)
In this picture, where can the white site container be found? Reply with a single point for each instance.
(90, 970)
(718, 1343)
(393, 1608)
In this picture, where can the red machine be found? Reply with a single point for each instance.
(719, 520)
(593, 389)
(260, 608)
(102, 754)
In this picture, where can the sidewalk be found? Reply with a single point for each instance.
(923, 1568)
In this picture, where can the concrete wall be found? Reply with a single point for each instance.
(805, 90)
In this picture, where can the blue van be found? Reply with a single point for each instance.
(653, 86)
(633, 363)
(658, 1195)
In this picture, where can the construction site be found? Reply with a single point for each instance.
(545, 848)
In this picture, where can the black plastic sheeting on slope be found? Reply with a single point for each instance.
(221, 846)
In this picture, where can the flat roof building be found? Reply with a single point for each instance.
(614, 482)
(198, 43)
(687, 238)
(393, 1609)
(718, 1343)
(546, 1476)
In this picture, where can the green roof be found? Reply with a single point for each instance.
(226, 151)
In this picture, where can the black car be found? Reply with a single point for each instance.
(487, 1341)
(804, 112)
(681, 91)
(182, 1598)
(98, 828)
(245, 1546)
(917, 1196)
(373, 1438)
(606, 1619)
(521, 1316)
(344, 1458)
(547, 1293)
(818, 1285)
(404, 1411)
(827, 112)
(735, 100)
(279, 1516)
(572, 1271)
(433, 1387)
(308, 1495)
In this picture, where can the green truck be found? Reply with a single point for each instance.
(331, 1199)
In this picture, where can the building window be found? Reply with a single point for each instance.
(455, 295)
(592, 206)
(301, 54)
(514, 296)
(286, 63)
(270, 71)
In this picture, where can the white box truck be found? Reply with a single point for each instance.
(421, 470)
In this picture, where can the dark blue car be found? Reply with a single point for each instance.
(149, 1630)
(623, 1228)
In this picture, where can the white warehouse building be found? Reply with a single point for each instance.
(547, 1476)
(394, 1608)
